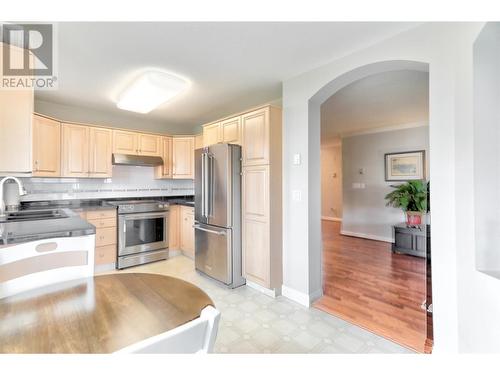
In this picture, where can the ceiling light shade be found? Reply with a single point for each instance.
(150, 90)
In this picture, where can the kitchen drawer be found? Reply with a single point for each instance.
(103, 223)
(105, 254)
(105, 236)
(101, 214)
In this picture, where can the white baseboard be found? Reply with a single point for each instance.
(104, 267)
(268, 292)
(299, 297)
(174, 252)
(367, 236)
(331, 218)
(316, 295)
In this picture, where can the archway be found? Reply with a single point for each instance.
(315, 102)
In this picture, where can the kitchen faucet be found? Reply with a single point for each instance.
(2, 182)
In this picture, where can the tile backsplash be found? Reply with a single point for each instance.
(127, 181)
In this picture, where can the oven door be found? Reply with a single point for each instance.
(142, 232)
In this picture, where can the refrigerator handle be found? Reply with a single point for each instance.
(203, 155)
(211, 185)
(205, 185)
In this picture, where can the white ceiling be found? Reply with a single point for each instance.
(232, 66)
(382, 100)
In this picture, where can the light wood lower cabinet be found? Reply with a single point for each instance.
(180, 229)
(187, 231)
(105, 236)
(256, 228)
(174, 227)
(46, 147)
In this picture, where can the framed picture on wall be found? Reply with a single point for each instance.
(405, 166)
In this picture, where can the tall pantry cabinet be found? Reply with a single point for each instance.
(261, 197)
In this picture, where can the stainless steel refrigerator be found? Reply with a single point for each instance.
(218, 213)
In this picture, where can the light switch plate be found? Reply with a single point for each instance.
(296, 195)
(296, 159)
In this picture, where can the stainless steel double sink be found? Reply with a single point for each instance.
(30, 215)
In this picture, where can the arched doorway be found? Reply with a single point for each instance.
(314, 105)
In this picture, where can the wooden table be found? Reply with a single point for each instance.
(97, 315)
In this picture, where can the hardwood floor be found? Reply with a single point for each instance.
(366, 284)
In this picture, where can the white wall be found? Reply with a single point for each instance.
(486, 151)
(460, 314)
(331, 181)
(127, 120)
(365, 213)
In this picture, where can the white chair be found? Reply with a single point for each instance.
(196, 336)
(40, 263)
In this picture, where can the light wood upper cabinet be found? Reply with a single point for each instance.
(165, 170)
(46, 147)
(183, 157)
(187, 230)
(211, 134)
(198, 141)
(16, 108)
(75, 151)
(100, 141)
(255, 137)
(149, 145)
(125, 142)
(230, 130)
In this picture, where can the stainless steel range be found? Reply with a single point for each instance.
(142, 232)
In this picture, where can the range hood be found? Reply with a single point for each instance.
(137, 160)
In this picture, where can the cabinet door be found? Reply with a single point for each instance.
(256, 226)
(230, 130)
(198, 141)
(211, 134)
(165, 170)
(187, 231)
(255, 137)
(100, 152)
(16, 113)
(183, 157)
(75, 151)
(149, 145)
(125, 142)
(46, 147)
(173, 227)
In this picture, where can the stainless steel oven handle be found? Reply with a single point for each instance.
(221, 233)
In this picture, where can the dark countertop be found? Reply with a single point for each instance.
(73, 204)
(102, 204)
(70, 226)
(33, 230)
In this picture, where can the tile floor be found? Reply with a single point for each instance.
(252, 322)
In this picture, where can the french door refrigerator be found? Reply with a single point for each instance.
(218, 213)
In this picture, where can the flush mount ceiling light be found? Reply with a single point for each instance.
(150, 90)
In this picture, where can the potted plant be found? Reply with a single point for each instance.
(411, 197)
